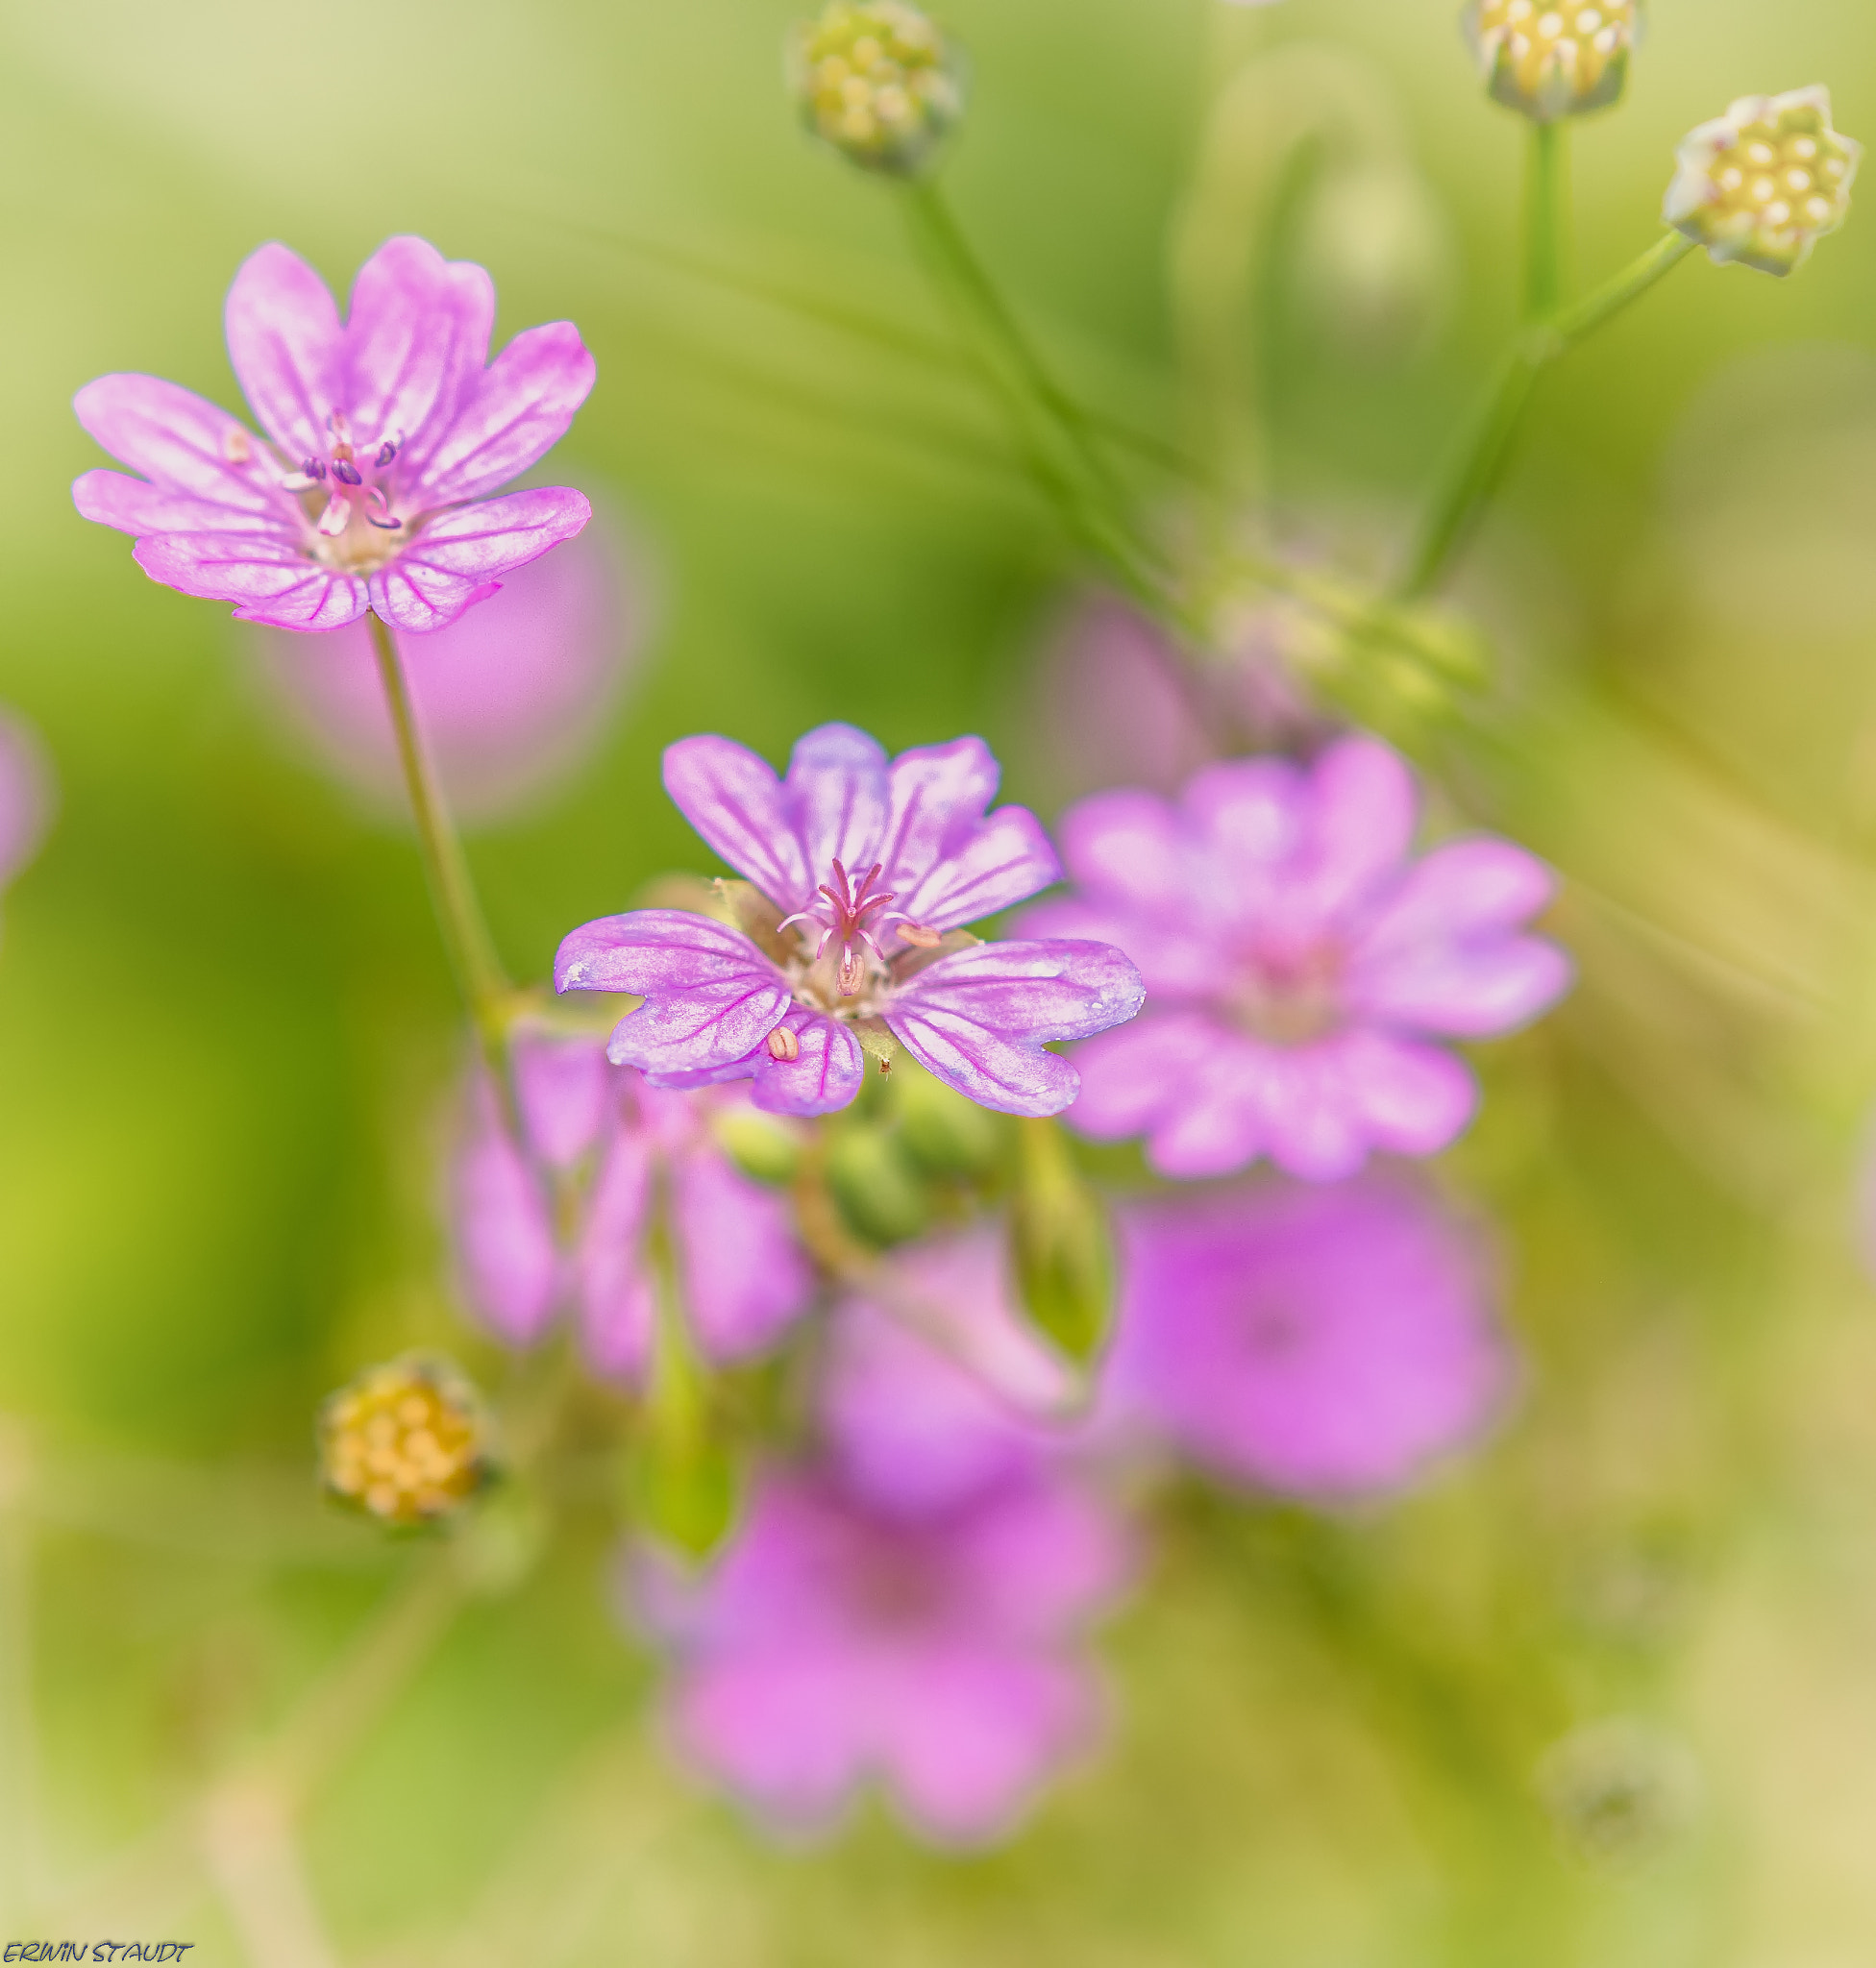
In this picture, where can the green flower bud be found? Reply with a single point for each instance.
(1059, 1241)
(1762, 184)
(876, 81)
(405, 1442)
(878, 1192)
(762, 1146)
(945, 1133)
(1547, 60)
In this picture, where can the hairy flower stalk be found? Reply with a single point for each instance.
(1762, 183)
(849, 934)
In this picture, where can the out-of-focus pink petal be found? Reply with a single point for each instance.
(1132, 1076)
(1214, 1122)
(1413, 1100)
(182, 444)
(1004, 862)
(826, 1076)
(510, 1264)
(565, 1089)
(973, 1732)
(1313, 1111)
(937, 794)
(1460, 890)
(617, 1309)
(268, 579)
(26, 794)
(1175, 962)
(1467, 993)
(745, 1279)
(1363, 824)
(979, 1017)
(416, 337)
(1253, 814)
(457, 557)
(711, 997)
(835, 797)
(1128, 850)
(1048, 1559)
(511, 415)
(734, 799)
(285, 343)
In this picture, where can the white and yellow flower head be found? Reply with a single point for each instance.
(1762, 184)
(1549, 61)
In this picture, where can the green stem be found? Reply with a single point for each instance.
(458, 912)
(1546, 197)
(1479, 463)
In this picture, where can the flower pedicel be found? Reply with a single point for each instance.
(383, 437)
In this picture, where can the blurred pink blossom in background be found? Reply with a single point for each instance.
(1325, 1342)
(26, 794)
(514, 695)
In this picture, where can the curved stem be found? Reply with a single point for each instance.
(459, 911)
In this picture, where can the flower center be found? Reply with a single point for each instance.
(847, 913)
(348, 495)
(1288, 997)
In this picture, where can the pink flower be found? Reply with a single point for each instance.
(833, 1642)
(385, 435)
(1325, 1341)
(1297, 964)
(868, 868)
(560, 1218)
(512, 698)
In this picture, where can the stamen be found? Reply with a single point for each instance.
(783, 1046)
(919, 936)
(298, 482)
(337, 517)
(386, 452)
(236, 447)
(383, 526)
(853, 971)
(346, 471)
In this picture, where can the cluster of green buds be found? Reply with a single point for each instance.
(1549, 61)
(407, 1442)
(877, 80)
(1763, 183)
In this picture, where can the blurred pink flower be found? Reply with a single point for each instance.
(559, 1219)
(934, 1387)
(1296, 962)
(385, 433)
(25, 795)
(513, 696)
(1322, 1341)
(833, 1642)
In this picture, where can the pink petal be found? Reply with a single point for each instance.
(1214, 1124)
(1466, 992)
(1129, 851)
(1131, 1077)
(825, 1078)
(1314, 1110)
(1461, 888)
(745, 1277)
(617, 1309)
(285, 343)
(456, 559)
(271, 580)
(1175, 961)
(135, 506)
(734, 799)
(510, 1264)
(416, 338)
(1004, 862)
(979, 1017)
(1250, 813)
(1363, 823)
(180, 442)
(565, 1089)
(937, 794)
(1413, 1100)
(515, 413)
(835, 798)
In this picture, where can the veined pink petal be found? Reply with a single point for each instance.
(459, 557)
(734, 799)
(835, 797)
(285, 343)
(514, 413)
(415, 342)
(133, 505)
(826, 1076)
(1176, 961)
(270, 580)
(1003, 862)
(181, 443)
(936, 797)
(979, 1017)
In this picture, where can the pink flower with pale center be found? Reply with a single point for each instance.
(382, 436)
(1298, 963)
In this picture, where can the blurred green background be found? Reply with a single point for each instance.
(226, 1029)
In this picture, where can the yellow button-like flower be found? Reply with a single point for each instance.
(406, 1442)
(1763, 183)
(1549, 61)
(878, 81)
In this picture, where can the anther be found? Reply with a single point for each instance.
(386, 452)
(783, 1046)
(383, 526)
(853, 971)
(344, 470)
(236, 446)
(919, 936)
